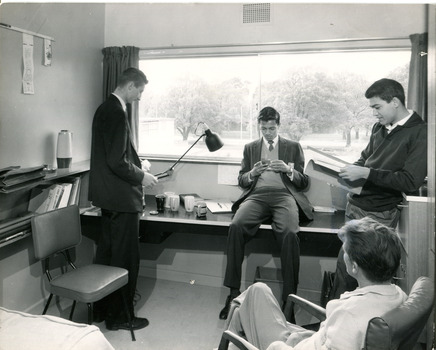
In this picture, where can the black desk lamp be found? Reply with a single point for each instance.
(213, 143)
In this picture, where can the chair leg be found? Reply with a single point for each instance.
(90, 314)
(72, 310)
(129, 318)
(47, 304)
(224, 344)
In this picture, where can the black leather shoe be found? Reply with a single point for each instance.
(137, 323)
(225, 311)
(98, 317)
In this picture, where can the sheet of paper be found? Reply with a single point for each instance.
(28, 68)
(47, 52)
(228, 174)
(216, 206)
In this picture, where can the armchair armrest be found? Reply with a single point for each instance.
(240, 342)
(315, 310)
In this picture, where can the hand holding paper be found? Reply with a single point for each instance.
(354, 172)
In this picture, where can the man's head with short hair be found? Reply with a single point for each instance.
(269, 123)
(267, 114)
(374, 247)
(132, 75)
(131, 84)
(386, 89)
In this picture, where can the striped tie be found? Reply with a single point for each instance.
(271, 147)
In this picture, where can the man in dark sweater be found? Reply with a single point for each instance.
(393, 162)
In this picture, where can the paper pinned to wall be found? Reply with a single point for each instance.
(47, 52)
(228, 174)
(28, 88)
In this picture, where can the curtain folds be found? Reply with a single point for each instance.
(115, 61)
(417, 90)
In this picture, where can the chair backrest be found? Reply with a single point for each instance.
(400, 328)
(55, 231)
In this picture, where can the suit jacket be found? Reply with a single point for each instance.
(115, 181)
(289, 152)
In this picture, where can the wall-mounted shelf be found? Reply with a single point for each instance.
(14, 215)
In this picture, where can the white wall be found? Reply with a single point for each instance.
(163, 25)
(66, 93)
(66, 96)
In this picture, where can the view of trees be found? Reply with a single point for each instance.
(309, 102)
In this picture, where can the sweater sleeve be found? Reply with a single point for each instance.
(411, 176)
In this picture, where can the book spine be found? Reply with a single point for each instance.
(74, 191)
(58, 189)
(65, 195)
(49, 200)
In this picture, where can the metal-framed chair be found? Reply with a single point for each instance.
(56, 232)
(397, 329)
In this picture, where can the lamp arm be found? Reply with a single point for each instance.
(169, 171)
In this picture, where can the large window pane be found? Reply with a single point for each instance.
(320, 97)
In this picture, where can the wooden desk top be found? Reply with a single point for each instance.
(322, 223)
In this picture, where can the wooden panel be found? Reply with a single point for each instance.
(414, 235)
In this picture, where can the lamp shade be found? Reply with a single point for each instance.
(213, 141)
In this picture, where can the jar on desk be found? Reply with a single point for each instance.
(201, 209)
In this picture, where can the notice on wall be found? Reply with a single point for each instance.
(28, 88)
(228, 174)
(47, 52)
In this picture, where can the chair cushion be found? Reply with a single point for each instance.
(89, 283)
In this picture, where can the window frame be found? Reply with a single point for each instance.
(300, 47)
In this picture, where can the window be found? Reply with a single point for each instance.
(319, 95)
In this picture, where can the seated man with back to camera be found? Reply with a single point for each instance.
(372, 253)
(272, 178)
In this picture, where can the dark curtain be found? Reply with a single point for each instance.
(417, 91)
(115, 61)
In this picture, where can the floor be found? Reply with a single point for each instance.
(182, 316)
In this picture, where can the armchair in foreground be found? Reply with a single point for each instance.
(213, 143)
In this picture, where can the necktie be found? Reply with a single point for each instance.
(271, 147)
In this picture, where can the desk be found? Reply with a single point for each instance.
(317, 237)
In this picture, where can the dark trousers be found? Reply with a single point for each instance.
(118, 245)
(281, 208)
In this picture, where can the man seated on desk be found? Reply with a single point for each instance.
(272, 178)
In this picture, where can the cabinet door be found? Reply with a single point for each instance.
(412, 229)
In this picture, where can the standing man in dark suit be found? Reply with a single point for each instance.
(272, 178)
(116, 186)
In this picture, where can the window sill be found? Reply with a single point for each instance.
(203, 160)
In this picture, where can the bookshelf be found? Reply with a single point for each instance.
(14, 206)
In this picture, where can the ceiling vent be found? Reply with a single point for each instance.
(256, 13)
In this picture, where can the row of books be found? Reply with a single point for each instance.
(48, 197)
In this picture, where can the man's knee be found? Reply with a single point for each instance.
(260, 288)
(235, 231)
(288, 239)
